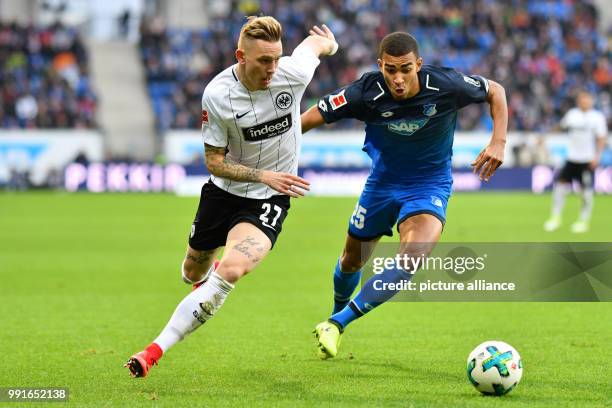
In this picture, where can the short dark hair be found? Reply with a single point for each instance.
(397, 44)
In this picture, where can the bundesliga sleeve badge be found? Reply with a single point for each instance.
(204, 117)
(338, 100)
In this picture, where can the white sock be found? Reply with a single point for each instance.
(587, 204)
(559, 192)
(193, 311)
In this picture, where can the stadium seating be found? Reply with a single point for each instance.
(44, 81)
(542, 52)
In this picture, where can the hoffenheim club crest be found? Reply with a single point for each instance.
(429, 109)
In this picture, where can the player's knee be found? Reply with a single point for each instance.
(562, 185)
(231, 272)
(416, 249)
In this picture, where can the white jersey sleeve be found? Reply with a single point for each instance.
(301, 65)
(214, 132)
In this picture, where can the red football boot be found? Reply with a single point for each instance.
(140, 363)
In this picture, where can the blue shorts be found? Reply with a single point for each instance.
(381, 206)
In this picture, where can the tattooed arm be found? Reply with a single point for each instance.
(220, 165)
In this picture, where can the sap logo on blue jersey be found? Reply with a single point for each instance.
(407, 127)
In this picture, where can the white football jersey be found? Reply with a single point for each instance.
(584, 128)
(260, 129)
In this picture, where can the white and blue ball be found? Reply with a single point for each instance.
(494, 368)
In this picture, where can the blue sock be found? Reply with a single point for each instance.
(368, 297)
(344, 286)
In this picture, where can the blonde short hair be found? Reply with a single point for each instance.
(260, 28)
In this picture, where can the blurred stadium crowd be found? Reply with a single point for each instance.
(44, 80)
(542, 52)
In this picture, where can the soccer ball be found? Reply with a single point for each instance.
(494, 368)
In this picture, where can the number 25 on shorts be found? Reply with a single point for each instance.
(358, 217)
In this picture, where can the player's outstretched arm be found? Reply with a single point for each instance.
(311, 119)
(492, 156)
(321, 41)
(220, 165)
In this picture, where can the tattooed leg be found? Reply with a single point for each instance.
(196, 264)
(246, 246)
(196, 308)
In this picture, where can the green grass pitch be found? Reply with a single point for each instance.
(86, 280)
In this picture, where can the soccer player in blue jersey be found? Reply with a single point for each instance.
(410, 111)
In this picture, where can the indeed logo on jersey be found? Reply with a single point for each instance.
(268, 129)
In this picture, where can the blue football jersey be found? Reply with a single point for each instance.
(411, 139)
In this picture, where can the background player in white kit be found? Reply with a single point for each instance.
(587, 132)
(251, 129)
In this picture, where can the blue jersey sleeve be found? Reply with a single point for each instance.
(469, 88)
(346, 102)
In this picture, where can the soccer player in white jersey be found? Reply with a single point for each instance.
(587, 139)
(251, 129)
